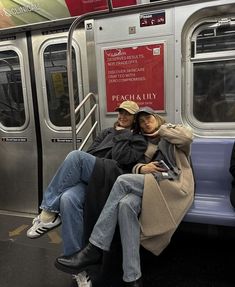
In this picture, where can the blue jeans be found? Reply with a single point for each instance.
(123, 207)
(66, 195)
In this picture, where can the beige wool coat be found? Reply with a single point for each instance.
(165, 203)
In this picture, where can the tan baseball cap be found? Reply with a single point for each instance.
(130, 106)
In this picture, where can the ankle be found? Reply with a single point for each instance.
(47, 216)
(95, 248)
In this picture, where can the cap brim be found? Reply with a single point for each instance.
(126, 109)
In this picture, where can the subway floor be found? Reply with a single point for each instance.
(193, 258)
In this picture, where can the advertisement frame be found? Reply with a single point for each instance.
(133, 45)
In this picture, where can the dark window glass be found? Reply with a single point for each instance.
(12, 110)
(55, 61)
(214, 91)
(216, 40)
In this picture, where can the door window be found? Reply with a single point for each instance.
(12, 110)
(57, 84)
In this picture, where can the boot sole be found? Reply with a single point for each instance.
(68, 269)
(71, 270)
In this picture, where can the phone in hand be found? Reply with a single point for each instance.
(162, 164)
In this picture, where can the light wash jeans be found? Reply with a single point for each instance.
(123, 207)
(66, 195)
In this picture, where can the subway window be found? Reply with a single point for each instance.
(212, 70)
(12, 110)
(214, 91)
(57, 84)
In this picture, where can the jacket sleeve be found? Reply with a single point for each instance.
(128, 147)
(98, 140)
(232, 162)
(178, 135)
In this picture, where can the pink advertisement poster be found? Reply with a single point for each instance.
(135, 73)
(85, 6)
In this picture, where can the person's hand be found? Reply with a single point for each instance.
(153, 166)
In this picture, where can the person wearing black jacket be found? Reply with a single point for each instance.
(85, 177)
(113, 152)
(232, 171)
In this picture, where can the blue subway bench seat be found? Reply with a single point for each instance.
(210, 161)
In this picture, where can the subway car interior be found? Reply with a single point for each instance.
(63, 70)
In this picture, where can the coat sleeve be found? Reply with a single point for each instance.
(128, 147)
(232, 162)
(98, 140)
(178, 135)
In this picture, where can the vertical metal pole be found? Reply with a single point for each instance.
(70, 68)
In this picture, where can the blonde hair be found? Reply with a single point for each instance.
(160, 119)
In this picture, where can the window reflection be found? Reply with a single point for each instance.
(12, 111)
(216, 40)
(214, 75)
(214, 91)
(57, 84)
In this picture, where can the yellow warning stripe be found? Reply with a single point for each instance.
(18, 230)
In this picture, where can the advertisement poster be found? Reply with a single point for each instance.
(135, 73)
(16, 13)
(85, 6)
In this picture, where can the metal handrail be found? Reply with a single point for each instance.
(69, 68)
(92, 111)
(86, 118)
(83, 102)
(88, 135)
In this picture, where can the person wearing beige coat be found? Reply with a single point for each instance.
(147, 205)
(165, 202)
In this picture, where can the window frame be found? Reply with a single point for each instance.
(24, 89)
(77, 53)
(190, 58)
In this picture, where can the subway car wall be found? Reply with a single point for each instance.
(177, 58)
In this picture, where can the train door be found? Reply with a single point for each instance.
(18, 148)
(35, 128)
(49, 54)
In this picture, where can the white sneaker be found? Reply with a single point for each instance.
(39, 228)
(83, 279)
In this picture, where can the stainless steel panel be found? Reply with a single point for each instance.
(18, 147)
(49, 52)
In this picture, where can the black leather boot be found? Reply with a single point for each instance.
(136, 283)
(77, 262)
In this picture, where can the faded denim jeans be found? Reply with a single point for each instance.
(123, 207)
(66, 195)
